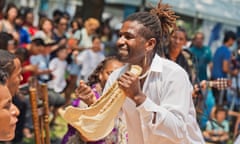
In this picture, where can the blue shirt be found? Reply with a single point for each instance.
(42, 62)
(203, 57)
(222, 54)
(24, 36)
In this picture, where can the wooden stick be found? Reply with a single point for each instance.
(35, 116)
(45, 112)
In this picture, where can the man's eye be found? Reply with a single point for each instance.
(128, 37)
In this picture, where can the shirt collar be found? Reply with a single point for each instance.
(157, 64)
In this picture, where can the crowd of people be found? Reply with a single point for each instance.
(79, 61)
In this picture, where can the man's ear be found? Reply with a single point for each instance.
(150, 44)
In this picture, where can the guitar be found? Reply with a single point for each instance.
(220, 84)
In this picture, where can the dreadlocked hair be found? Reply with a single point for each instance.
(94, 77)
(157, 24)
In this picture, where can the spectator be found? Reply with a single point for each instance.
(217, 131)
(93, 57)
(7, 24)
(56, 15)
(7, 42)
(202, 55)
(10, 64)
(221, 63)
(84, 36)
(58, 66)
(182, 57)
(2, 4)
(24, 37)
(8, 111)
(28, 23)
(60, 30)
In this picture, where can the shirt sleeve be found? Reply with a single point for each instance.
(170, 118)
(209, 126)
(52, 64)
(226, 55)
(81, 57)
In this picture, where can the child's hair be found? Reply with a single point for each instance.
(220, 108)
(61, 47)
(94, 77)
(95, 37)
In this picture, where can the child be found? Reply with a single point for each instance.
(97, 81)
(57, 84)
(217, 132)
(58, 66)
(89, 58)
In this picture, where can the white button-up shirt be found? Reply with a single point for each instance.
(169, 96)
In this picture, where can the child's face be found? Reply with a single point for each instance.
(96, 46)
(109, 68)
(221, 116)
(37, 49)
(47, 50)
(62, 54)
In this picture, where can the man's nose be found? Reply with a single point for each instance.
(15, 111)
(120, 41)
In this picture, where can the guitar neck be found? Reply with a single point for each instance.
(220, 84)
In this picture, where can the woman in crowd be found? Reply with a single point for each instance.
(8, 23)
(176, 53)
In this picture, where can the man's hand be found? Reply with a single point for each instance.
(130, 84)
(85, 93)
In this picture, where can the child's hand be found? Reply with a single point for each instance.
(85, 93)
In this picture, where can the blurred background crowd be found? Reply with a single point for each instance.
(62, 41)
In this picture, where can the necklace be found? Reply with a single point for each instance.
(144, 75)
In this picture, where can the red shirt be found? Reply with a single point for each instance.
(26, 74)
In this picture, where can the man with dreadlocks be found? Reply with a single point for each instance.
(159, 107)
